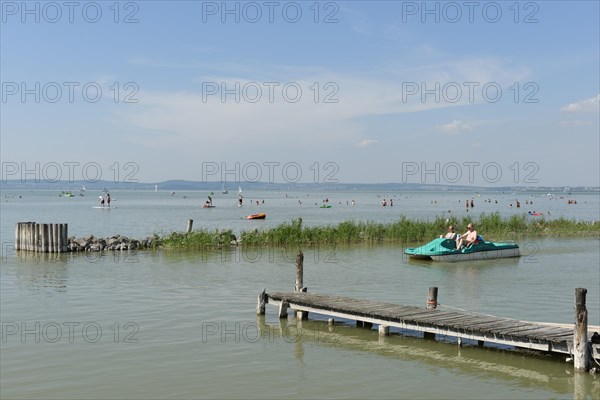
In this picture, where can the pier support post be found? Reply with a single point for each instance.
(299, 271)
(299, 286)
(190, 224)
(431, 305)
(283, 309)
(384, 330)
(261, 301)
(581, 350)
(432, 298)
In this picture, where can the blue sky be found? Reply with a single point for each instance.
(482, 93)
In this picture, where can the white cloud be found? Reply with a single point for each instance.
(367, 143)
(208, 125)
(454, 127)
(588, 105)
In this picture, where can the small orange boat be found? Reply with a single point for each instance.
(256, 216)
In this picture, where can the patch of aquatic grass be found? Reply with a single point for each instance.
(198, 239)
(490, 226)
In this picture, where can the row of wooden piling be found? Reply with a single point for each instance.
(42, 238)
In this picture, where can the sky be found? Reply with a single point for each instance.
(465, 93)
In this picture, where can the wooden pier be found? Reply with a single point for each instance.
(565, 339)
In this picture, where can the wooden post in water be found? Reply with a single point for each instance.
(32, 239)
(190, 223)
(28, 236)
(384, 330)
(45, 237)
(50, 238)
(260, 303)
(22, 238)
(299, 287)
(283, 309)
(431, 305)
(36, 237)
(17, 235)
(432, 298)
(57, 238)
(50, 245)
(65, 237)
(25, 236)
(299, 271)
(581, 350)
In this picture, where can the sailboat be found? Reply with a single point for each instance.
(223, 190)
(239, 189)
(156, 188)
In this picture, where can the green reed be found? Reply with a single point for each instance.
(491, 226)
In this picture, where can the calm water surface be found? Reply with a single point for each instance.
(183, 325)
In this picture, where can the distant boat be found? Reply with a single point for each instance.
(83, 188)
(223, 190)
(239, 189)
(256, 216)
(156, 188)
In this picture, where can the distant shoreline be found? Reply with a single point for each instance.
(216, 186)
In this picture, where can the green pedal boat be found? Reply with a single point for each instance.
(445, 250)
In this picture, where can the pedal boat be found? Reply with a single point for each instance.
(445, 250)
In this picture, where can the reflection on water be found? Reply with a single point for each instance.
(42, 271)
(533, 371)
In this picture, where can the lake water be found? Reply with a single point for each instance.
(165, 324)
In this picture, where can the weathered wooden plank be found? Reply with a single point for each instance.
(549, 333)
(469, 321)
(497, 327)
